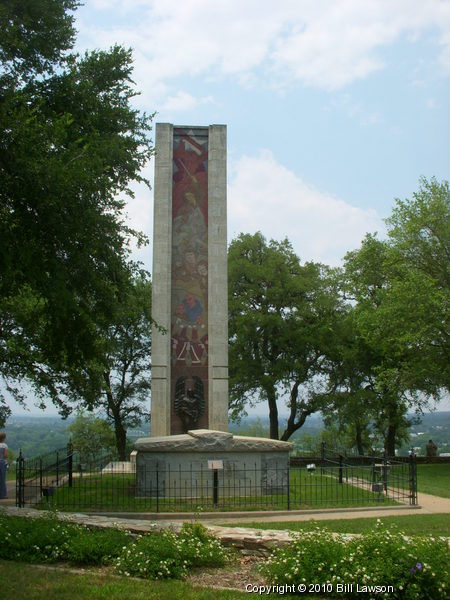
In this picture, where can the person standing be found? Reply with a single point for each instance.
(3, 457)
(431, 449)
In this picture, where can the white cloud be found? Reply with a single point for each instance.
(183, 101)
(265, 196)
(326, 44)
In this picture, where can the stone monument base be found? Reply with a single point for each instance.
(206, 463)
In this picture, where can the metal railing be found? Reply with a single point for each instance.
(60, 480)
(39, 477)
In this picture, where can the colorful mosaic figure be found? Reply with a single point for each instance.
(190, 249)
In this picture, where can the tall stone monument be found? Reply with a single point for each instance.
(189, 413)
(189, 301)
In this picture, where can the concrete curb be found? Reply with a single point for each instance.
(248, 515)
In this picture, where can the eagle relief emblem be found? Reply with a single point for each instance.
(189, 401)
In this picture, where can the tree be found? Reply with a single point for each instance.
(280, 319)
(70, 145)
(120, 384)
(90, 436)
(253, 428)
(349, 400)
(419, 230)
(368, 274)
(419, 236)
(127, 378)
(401, 294)
(35, 35)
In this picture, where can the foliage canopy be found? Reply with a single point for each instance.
(71, 144)
(281, 316)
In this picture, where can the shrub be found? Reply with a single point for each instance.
(168, 555)
(95, 546)
(46, 539)
(156, 555)
(417, 568)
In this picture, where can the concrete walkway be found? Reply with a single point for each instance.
(11, 494)
(427, 505)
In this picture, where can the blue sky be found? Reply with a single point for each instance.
(334, 108)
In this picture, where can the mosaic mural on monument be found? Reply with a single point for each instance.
(189, 301)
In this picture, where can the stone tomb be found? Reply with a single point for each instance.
(184, 466)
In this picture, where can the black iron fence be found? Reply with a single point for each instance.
(63, 481)
(41, 476)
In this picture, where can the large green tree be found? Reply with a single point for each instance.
(119, 384)
(281, 317)
(401, 295)
(70, 145)
(419, 240)
(90, 436)
(368, 276)
(349, 401)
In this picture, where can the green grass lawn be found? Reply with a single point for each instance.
(434, 479)
(117, 492)
(29, 582)
(437, 525)
(107, 492)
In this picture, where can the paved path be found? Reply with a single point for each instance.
(11, 494)
(427, 505)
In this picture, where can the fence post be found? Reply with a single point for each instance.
(412, 478)
(288, 485)
(340, 468)
(70, 463)
(40, 476)
(215, 487)
(385, 472)
(322, 451)
(157, 487)
(57, 468)
(20, 481)
(374, 473)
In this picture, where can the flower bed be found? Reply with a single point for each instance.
(381, 562)
(154, 555)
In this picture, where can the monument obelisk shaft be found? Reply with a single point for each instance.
(189, 282)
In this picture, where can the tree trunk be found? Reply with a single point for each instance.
(293, 427)
(273, 414)
(301, 415)
(389, 442)
(121, 438)
(359, 443)
(114, 410)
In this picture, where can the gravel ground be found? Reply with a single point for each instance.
(235, 576)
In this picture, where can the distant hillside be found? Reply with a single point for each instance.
(36, 435)
(39, 435)
(435, 426)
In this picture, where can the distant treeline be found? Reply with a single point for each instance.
(39, 435)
